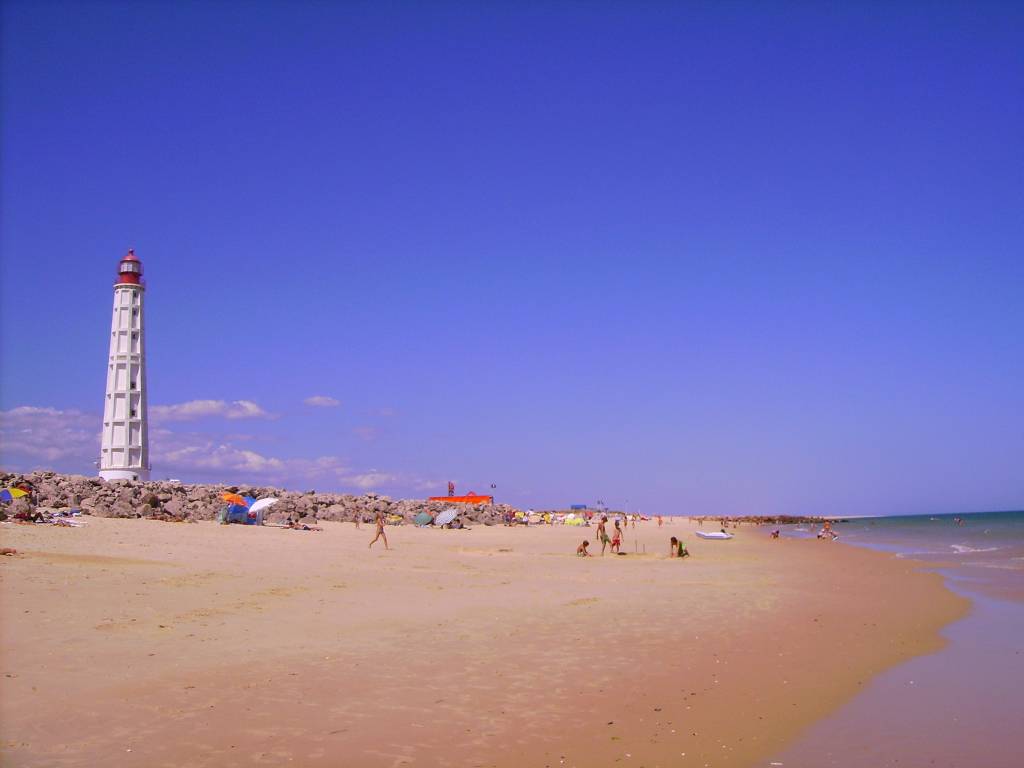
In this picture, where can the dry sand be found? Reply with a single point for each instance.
(141, 643)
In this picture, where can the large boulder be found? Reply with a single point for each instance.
(123, 509)
(174, 507)
(334, 512)
(48, 493)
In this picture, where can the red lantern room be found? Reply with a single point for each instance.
(129, 271)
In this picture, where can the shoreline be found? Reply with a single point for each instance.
(957, 704)
(267, 644)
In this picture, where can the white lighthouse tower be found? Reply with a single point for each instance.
(124, 448)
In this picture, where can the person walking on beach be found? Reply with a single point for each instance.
(380, 532)
(602, 534)
(356, 520)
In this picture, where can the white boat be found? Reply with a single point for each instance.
(714, 535)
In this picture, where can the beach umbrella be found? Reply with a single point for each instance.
(446, 517)
(9, 494)
(423, 518)
(234, 498)
(262, 504)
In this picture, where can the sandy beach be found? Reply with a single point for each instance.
(143, 643)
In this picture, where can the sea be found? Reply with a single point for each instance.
(962, 706)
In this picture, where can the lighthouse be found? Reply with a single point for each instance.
(124, 447)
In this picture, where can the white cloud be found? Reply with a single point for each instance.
(322, 401)
(221, 456)
(217, 458)
(179, 454)
(198, 409)
(29, 434)
(68, 440)
(368, 480)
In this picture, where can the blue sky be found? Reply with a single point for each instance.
(689, 258)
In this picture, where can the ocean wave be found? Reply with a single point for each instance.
(963, 549)
(918, 553)
(999, 566)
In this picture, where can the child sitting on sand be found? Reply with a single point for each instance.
(676, 548)
(581, 550)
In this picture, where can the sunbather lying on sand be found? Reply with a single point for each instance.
(303, 527)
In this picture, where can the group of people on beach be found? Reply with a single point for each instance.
(676, 547)
(614, 542)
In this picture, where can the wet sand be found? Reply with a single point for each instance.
(140, 643)
(959, 707)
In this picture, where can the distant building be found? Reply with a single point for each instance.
(124, 446)
(470, 498)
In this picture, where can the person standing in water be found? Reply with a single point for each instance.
(380, 532)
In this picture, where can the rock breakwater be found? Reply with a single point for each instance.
(171, 500)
